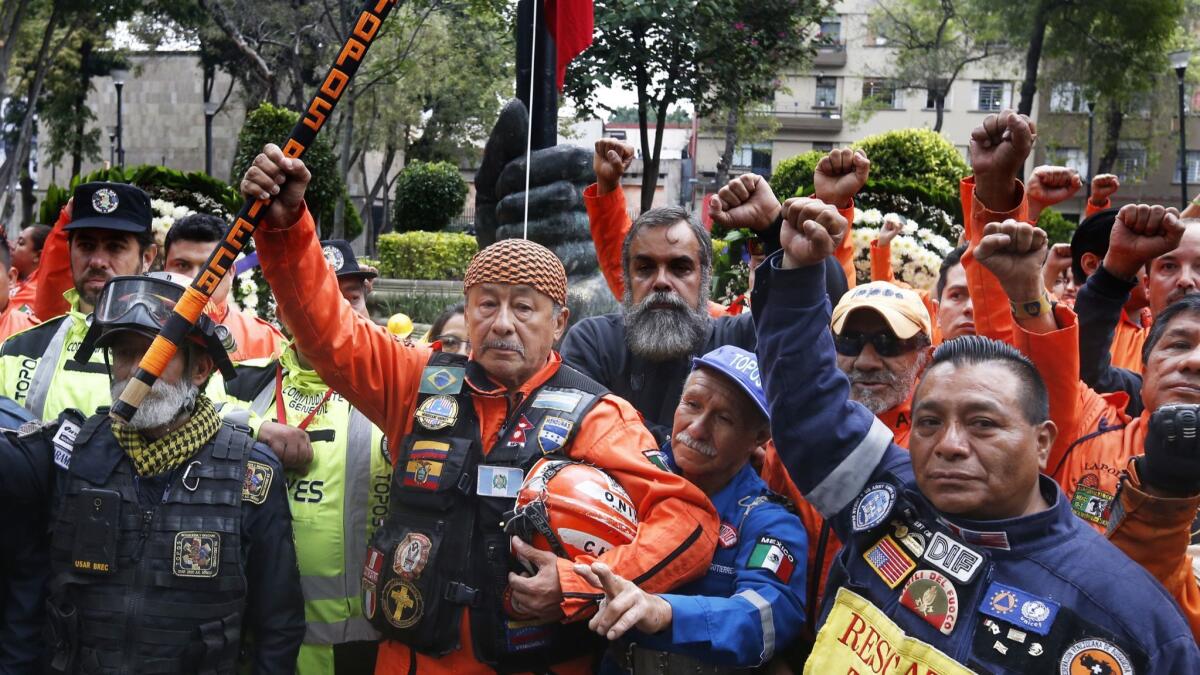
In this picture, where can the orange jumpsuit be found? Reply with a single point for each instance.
(13, 320)
(1126, 347)
(1154, 532)
(24, 293)
(381, 377)
(255, 338)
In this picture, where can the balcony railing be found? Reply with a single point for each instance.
(830, 55)
(818, 119)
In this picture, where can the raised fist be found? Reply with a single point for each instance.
(612, 159)
(1172, 460)
(812, 231)
(1140, 234)
(840, 175)
(1014, 251)
(1057, 262)
(891, 228)
(1104, 186)
(999, 147)
(1050, 185)
(745, 201)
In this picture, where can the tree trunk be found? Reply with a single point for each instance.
(28, 199)
(11, 164)
(85, 83)
(725, 162)
(939, 106)
(1033, 57)
(344, 150)
(1112, 138)
(12, 16)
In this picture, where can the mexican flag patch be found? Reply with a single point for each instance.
(770, 554)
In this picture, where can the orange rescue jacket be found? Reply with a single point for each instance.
(381, 377)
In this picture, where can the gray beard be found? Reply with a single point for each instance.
(162, 405)
(664, 334)
(899, 387)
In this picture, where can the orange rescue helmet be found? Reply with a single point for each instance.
(572, 509)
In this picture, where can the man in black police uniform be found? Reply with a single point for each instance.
(168, 531)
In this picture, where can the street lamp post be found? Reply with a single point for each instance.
(1179, 61)
(210, 111)
(1091, 106)
(112, 146)
(119, 75)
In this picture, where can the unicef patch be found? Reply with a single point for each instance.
(872, 506)
(105, 201)
(334, 257)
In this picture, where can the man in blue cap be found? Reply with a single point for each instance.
(752, 599)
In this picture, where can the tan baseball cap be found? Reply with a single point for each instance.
(901, 308)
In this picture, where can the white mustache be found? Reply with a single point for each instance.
(701, 447)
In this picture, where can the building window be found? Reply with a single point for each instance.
(882, 92)
(831, 31)
(1067, 97)
(826, 92)
(822, 146)
(618, 134)
(1131, 162)
(991, 96)
(1072, 158)
(931, 104)
(1193, 168)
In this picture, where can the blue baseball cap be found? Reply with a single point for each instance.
(740, 367)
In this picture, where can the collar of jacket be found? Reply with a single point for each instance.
(72, 297)
(298, 376)
(481, 383)
(1022, 535)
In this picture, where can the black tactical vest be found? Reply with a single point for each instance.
(443, 548)
(170, 598)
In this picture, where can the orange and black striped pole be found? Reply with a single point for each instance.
(197, 296)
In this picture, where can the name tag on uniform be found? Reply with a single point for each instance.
(64, 442)
(498, 481)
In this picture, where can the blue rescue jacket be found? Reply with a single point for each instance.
(751, 602)
(1036, 594)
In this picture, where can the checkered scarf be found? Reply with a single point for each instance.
(157, 457)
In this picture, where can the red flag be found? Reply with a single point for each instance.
(570, 23)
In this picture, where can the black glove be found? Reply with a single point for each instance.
(1172, 460)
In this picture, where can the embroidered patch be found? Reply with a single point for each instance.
(888, 561)
(372, 566)
(557, 400)
(257, 482)
(441, 380)
(552, 434)
(770, 554)
(1019, 607)
(933, 598)
(402, 603)
(411, 555)
(1091, 504)
(197, 554)
(334, 257)
(64, 443)
(498, 481)
(437, 412)
(368, 600)
(953, 558)
(727, 537)
(424, 466)
(1093, 655)
(105, 201)
(913, 541)
(872, 506)
(657, 458)
(517, 438)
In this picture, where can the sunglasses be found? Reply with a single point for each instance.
(885, 343)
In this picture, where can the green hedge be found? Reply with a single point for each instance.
(271, 124)
(918, 155)
(1057, 228)
(431, 256)
(195, 190)
(428, 196)
(795, 174)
